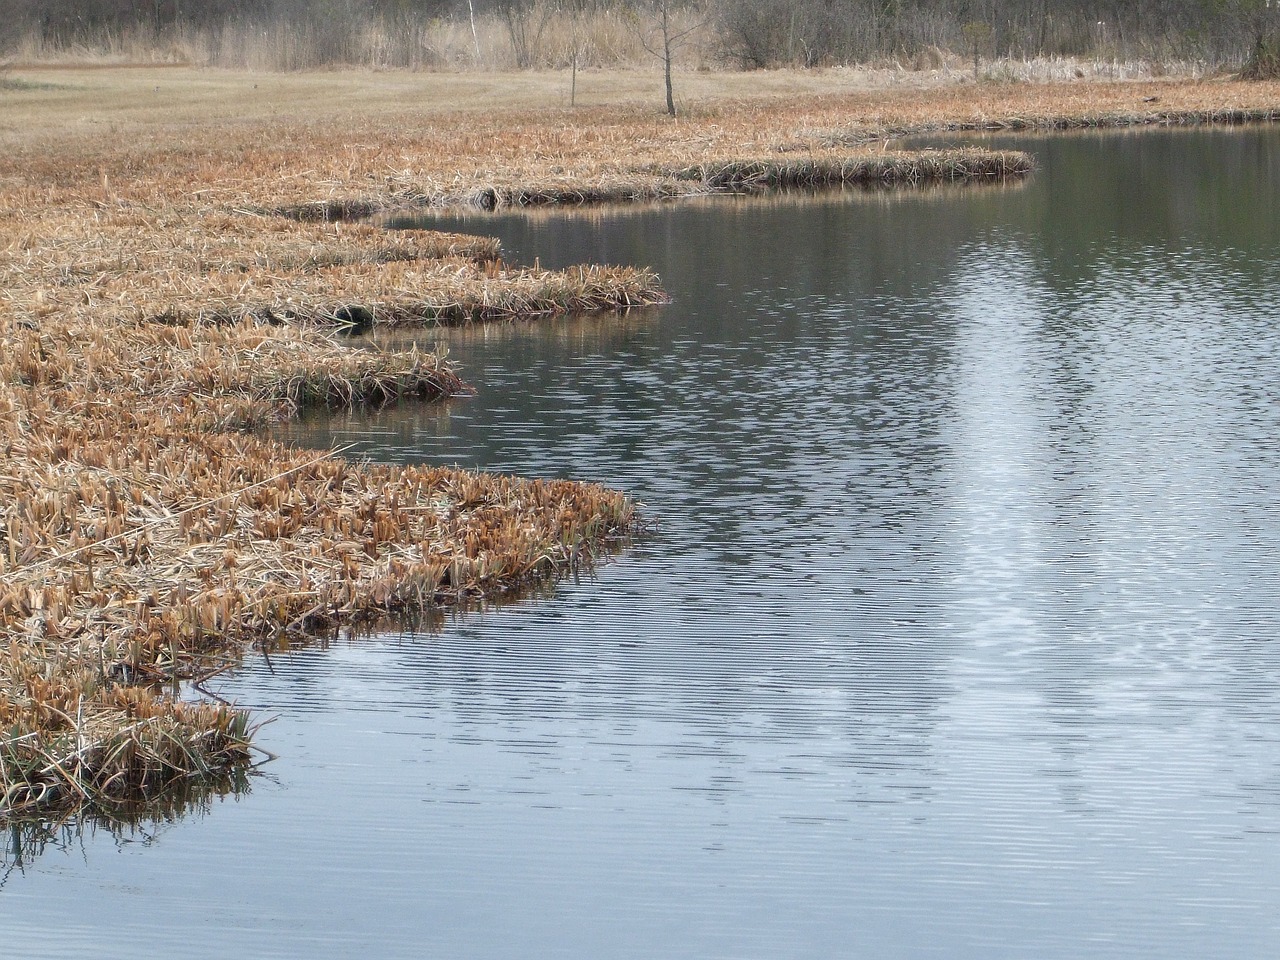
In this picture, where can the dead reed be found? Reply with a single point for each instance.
(1229, 116)
(1090, 120)
(144, 538)
(446, 293)
(77, 737)
(709, 176)
(142, 542)
(194, 266)
(883, 169)
(641, 183)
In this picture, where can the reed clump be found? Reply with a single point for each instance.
(130, 265)
(1149, 116)
(881, 169)
(146, 538)
(782, 170)
(442, 292)
(143, 541)
(77, 737)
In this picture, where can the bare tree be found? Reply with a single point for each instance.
(658, 34)
(750, 33)
(526, 20)
(1260, 21)
(977, 36)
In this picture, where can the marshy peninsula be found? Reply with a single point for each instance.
(189, 255)
(466, 492)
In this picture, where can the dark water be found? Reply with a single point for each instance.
(957, 637)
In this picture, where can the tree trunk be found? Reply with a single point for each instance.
(666, 59)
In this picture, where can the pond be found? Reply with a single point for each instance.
(956, 635)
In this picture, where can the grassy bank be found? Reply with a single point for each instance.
(175, 268)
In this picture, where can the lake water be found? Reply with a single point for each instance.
(957, 636)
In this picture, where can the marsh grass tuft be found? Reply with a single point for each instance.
(78, 738)
(145, 538)
(886, 169)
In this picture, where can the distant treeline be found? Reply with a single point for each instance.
(743, 33)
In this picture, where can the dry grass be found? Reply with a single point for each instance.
(142, 541)
(929, 166)
(154, 303)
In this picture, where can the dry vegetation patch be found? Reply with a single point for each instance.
(143, 540)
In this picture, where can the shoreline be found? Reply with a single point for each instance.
(159, 304)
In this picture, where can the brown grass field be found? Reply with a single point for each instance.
(175, 269)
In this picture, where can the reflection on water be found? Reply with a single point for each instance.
(955, 637)
(138, 822)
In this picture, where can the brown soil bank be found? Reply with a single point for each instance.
(156, 303)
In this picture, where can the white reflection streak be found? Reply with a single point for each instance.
(998, 438)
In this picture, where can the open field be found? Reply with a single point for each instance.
(174, 269)
(39, 101)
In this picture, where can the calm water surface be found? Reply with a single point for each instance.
(957, 636)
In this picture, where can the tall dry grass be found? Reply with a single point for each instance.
(144, 537)
(603, 37)
(1009, 44)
